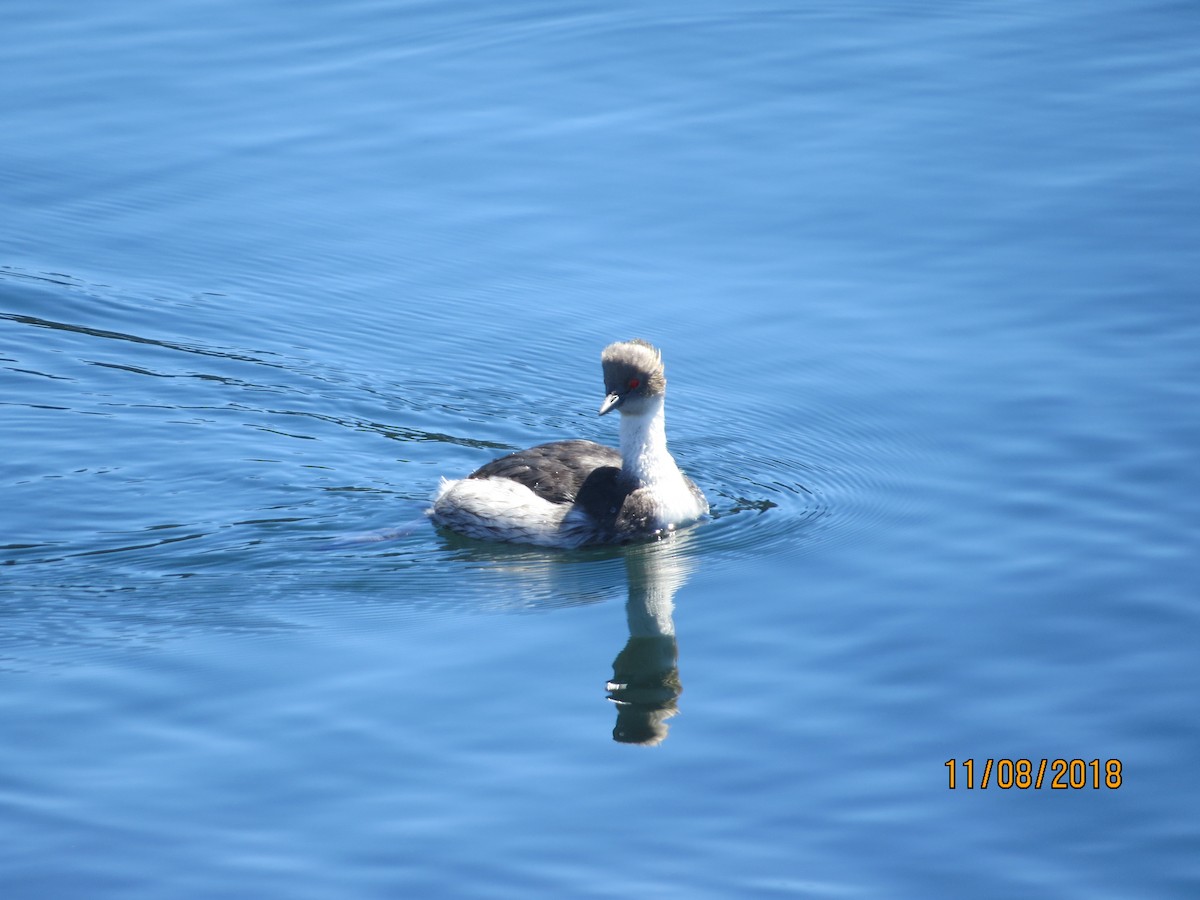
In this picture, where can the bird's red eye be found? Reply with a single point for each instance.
(633, 383)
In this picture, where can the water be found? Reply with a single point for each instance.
(925, 283)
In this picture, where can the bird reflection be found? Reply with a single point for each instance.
(645, 684)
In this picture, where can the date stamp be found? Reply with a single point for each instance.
(1023, 774)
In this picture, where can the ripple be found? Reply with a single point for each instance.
(257, 518)
(776, 492)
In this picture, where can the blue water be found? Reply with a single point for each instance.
(925, 281)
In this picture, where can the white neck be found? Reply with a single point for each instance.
(644, 459)
(644, 453)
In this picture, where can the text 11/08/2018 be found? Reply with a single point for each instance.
(1064, 774)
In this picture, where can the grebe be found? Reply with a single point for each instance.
(574, 493)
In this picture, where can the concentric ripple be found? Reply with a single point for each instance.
(173, 466)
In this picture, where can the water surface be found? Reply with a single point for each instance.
(924, 281)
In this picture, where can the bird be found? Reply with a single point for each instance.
(576, 493)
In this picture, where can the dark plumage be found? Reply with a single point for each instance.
(585, 475)
(555, 471)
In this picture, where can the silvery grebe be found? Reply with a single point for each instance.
(575, 493)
